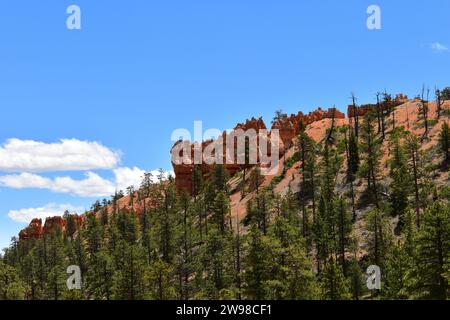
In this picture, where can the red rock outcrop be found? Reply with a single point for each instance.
(36, 230)
(288, 129)
(131, 204)
(53, 223)
(33, 231)
(362, 110)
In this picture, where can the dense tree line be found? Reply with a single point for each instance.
(300, 245)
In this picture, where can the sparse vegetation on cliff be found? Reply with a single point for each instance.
(368, 192)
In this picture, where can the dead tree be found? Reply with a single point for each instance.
(425, 111)
(350, 176)
(378, 112)
(383, 108)
(330, 138)
(355, 115)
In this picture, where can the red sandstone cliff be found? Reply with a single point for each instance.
(288, 129)
(316, 121)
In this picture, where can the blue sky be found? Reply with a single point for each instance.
(137, 70)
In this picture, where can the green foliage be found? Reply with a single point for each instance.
(445, 94)
(11, 286)
(353, 155)
(257, 264)
(434, 252)
(444, 141)
(371, 151)
(334, 285)
(401, 181)
(379, 237)
(292, 160)
(287, 246)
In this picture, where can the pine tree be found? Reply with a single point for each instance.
(56, 268)
(433, 251)
(159, 280)
(255, 180)
(11, 286)
(165, 223)
(128, 280)
(257, 264)
(323, 231)
(412, 145)
(292, 275)
(400, 185)
(355, 275)
(221, 212)
(438, 103)
(70, 226)
(93, 234)
(186, 238)
(353, 158)
(306, 147)
(444, 141)
(370, 146)
(343, 230)
(218, 264)
(379, 237)
(334, 285)
(352, 153)
(397, 266)
(100, 276)
(220, 177)
(197, 180)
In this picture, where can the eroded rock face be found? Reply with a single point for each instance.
(287, 127)
(33, 231)
(362, 110)
(54, 223)
(36, 230)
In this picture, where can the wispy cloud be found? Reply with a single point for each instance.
(49, 210)
(438, 47)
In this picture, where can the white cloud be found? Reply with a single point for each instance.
(92, 186)
(66, 155)
(126, 177)
(49, 210)
(438, 47)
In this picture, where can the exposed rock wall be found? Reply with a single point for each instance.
(288, 129)
(36, 230)
(362, 110)
(33, 231)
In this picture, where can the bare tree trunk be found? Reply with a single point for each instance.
(331, 131)
(425, 112)
(238, 258)
(378, 113)
(356, 115)
(416, 187)
(438, 103)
